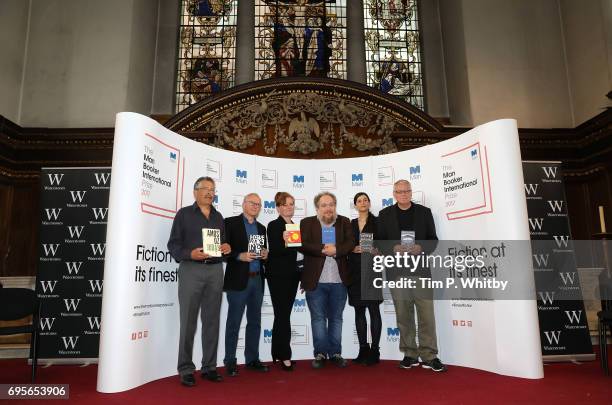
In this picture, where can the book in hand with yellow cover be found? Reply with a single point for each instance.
(295, 236)
(211, 239)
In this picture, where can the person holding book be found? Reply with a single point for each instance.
(283, 276)
(327, 239)
(244, 283)
(412, 226)
(361, 294)
(200, 279)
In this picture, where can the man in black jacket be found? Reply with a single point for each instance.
(244, 283)
(406, 216)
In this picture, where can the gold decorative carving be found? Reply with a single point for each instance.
(304, 122)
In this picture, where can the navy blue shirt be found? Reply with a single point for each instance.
(251, 229)
(186, 233)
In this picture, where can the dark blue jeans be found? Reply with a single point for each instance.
(326, 304)
(251, 298)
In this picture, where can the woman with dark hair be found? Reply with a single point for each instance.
(283, 278)
(364, 224)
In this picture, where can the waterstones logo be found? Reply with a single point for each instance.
(102, 178)
(50, 249)
(94, 325)
(100, 214)
(547, 298)
(72, 304)
(77, 196)
(97, 250)
(75, 234)
(46, 326)
(569, 280)
(95, 287)
(535, 225)
(48, 286)
(53, 216)
(541, 261)
(55, 179)
(70, 342)
(73, 271)
(553, 340)
(551, 174)
(561, 241)
(556, 208)
(531, 191)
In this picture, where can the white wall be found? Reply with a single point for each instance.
(587, 31)
(13, 33)
(514, 61)
(87, 60)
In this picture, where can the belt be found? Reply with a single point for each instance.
(251, 275)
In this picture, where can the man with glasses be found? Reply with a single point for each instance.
(200, 284)
(325, 276)
(244, 283)
(407, 217)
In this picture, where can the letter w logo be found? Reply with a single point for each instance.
(573, 316)
(55, 178)
(50, 248)
(53, 213)
(96, 286)
(531, 189)
(75, 231)
(98, 248)
(74, 266)
(541, 259)
(94, 322)
(547, 297)
(561, 240)
(100, 213)
(555, 205)
(46, 323)
(552, 335)
(70, 341)
(48, 285)
(102, 177)
(536, 223)
(72, 304)
(568, 276)
(77, 195)
(550, 171)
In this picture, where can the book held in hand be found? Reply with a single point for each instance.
(328, 235)
(407, 238)
(366, 241)
(256, 244)
(295, 236)
(211, 242)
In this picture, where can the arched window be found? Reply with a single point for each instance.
(393, 49)
(207, 49)
(300, 38)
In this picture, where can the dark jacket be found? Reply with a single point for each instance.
(237, 271)
(355, 290)
(424, 232)
(281, 259)
(311, 248)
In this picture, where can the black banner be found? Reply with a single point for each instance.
(563, 323)
(74, 211)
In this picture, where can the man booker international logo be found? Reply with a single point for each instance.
(298, 181)
(299, 305)
(393, 335)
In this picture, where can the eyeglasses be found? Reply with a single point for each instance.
(254, 204)
(402, 191)
(207, 189)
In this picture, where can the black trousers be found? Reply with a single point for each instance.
(282, 292)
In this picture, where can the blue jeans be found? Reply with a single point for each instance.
(251, 297)
(326, 304)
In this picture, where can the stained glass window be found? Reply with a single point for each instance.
(393, 50)
(207, 49)
(300, 38)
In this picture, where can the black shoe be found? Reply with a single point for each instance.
(364, 351)
(188, 380)
(373, 357)
(257, 365)
(408, 362)
(319, 361)
(212, 375)
(285, 367)
(435, 365)
(338, 361)
(231, 370)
